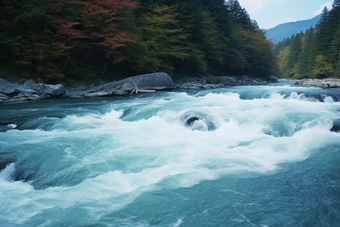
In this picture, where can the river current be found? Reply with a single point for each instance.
(239, 156)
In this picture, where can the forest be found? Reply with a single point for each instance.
(315, 53)
(86, 40)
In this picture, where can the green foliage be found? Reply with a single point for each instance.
(319, 55)
(64, 40)
(323, 67)
(305, 63)
(163, 38)
(211, 79)
(337, 71)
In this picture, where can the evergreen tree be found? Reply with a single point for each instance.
(27, 47)
(239, 14)
(337, 71)
(163, 37)
(306, 59)
(336, 4)
(295, 48)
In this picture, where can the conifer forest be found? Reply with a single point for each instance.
(315, 53)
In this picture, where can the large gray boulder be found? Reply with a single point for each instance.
(57, 90)
(29, 84)
(227, 81)
(152, 81)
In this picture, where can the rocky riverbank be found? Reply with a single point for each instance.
(324, 83)
(30, 91)
(222, 81)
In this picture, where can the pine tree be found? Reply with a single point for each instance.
(163, 37)
(295, 49)
(27, 46)
(323, 67)
(239, 14)
(337, 71)
(336, 4)
(306, 58)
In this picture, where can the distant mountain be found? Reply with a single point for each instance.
(286, 30)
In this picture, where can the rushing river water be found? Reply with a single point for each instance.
(239, 156)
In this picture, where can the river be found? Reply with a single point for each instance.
(238, 156)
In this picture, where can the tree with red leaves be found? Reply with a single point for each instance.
(99, 19)
(90, 24)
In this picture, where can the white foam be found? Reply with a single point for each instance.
(328, 99)
(12, 126)
(179, 222)
(6, 174)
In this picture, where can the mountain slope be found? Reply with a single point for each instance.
(286, 30)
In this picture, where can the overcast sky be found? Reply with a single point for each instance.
(269, 13)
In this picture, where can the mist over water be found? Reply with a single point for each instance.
(239, 156)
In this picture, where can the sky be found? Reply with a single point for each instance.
(269, 13)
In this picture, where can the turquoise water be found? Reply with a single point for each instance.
(239, 156)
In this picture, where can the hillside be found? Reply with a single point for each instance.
(286, 30)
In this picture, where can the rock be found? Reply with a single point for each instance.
(18, 96)
(240, 80)
(29, 92)
(197, 121)
(8, 89)
(3, 97)
(29, 84)
(96, 94)
(38, 87)
(228, 81)
(33, 97)
(49, 90)
(336, 126)
(324, 83)
(153, 81)
(57, 90)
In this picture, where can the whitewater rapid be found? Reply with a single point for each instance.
(77, 163)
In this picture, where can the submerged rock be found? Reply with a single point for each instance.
(336, 126)
(197, 121)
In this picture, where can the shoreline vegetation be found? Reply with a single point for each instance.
(314, 54)
(26, 91)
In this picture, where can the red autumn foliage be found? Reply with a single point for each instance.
(97, 23)
(56, 5)
(116, 4)
(112, 43)
(100, 17)
(69, 32)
